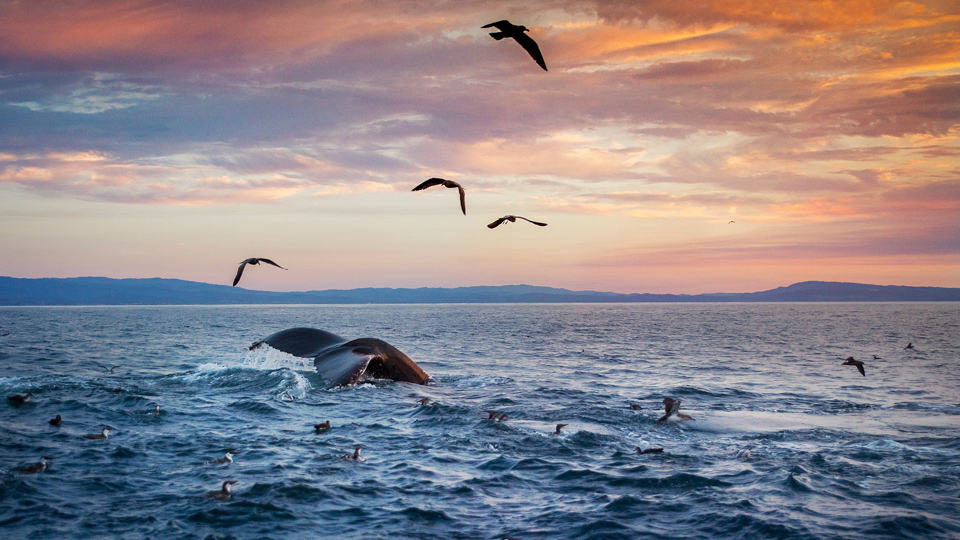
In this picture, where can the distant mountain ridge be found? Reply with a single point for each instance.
(159, 291)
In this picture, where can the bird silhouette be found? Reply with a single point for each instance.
(511, 219)
(445, 183)
(851, 362)
(510, 30)
(252, 260)
(672, 407)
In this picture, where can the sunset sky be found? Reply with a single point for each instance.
(175, 139)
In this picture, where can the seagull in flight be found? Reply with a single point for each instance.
(672, 407)
(253, 260)
(445, 183)
(851, 362)
(512, 219)
(510, 30)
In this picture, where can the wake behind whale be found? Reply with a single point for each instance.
(343, 363)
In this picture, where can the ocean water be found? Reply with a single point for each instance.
(785, 443)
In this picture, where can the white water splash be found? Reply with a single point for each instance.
(267, 358)
(294, 386)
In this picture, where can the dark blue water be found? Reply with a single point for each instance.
(785, 442)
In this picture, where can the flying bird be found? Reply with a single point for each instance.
(851, 362)
(509, 30)
(672, 407)
(512, 219)
(445, 183)
(729, 222)
(253, 260)
(223, 494)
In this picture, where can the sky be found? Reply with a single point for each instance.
(176, 138)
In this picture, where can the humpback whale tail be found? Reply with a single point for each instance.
(343, 363)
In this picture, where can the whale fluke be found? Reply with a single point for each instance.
(343, 363)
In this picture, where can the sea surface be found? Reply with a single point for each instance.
(784, 443)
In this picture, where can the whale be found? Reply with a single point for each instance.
(341, 362)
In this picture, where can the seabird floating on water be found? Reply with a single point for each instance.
(322, 427)
(672, 407)
(510, 30)
(635, 406)
(909, 346)
(445, 183)
(101, 435)
(875, 357)
(156, 410)
(36, 467)
(20, 399)
(56, 421)
(851, 362)
(356, 454)
(223, 494)
(425, 401)
(225, 459)
(496, 416)
(118, 390)
(253, 260)
(650, 451)
(512, 219)
(559, 427)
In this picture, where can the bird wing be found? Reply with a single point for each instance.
(860, 369)
(671, 406)
(239, 273)
(497, 223)
(534, 222)
(268, 261)
(463, 199)
(428, 183)
(531, 47)
(499, 25)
